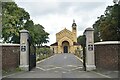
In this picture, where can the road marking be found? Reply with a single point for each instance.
(75, 68)
(59, 67)
(65, 57)
(79, 59)
(46, 59)
(72, 66)
(32, 71)
(55, 71)
(64, 72)
(40, 68)
(47, 69)
(101, 74)
(52, 68)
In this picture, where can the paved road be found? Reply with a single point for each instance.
(64, 62)
(59, 66)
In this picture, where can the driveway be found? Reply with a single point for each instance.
(64, 62)
(59, 66)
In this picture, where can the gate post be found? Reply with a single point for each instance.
(24, 50)
(90, 61)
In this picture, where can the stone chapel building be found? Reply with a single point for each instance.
(66, 41)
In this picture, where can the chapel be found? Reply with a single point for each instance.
(66, 41)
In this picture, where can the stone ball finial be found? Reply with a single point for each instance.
(73, 20)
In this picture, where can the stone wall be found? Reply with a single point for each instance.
(106, 55)
(54, 49)
(10, 56)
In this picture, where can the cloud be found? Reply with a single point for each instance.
(44, 8)
(57, 15)
(62, 0)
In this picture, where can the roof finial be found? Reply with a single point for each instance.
(73, 20)
(74, 24)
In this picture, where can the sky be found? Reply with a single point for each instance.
(55, 15)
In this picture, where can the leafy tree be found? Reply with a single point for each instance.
(14, 19)
(96, 27)
(40, 36)
(81, 40)
(107, 26)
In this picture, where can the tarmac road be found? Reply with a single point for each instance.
(59, 66)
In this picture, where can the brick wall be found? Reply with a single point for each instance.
(10, 56)
(0, 61)
(106, 55)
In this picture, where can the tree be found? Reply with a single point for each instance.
(81, 40)
(107, 26)
(43, 52)
(14, 19)
(39, 35)
(96, 27)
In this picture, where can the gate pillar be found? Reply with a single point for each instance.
(24, 50)
(90, 61)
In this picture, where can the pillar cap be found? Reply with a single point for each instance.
(24, 31)
(88, 29)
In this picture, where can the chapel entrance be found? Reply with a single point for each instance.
(65, 45)
(65, 49)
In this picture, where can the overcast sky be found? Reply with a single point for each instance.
(56, 15)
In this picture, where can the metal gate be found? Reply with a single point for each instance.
(32, 55)
(84, 53)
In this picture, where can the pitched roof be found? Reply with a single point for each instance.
(75, 43)
(64, 30)
(54, 44)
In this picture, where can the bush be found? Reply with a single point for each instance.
(43, 53)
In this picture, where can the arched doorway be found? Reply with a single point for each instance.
(65, 45)
(65, 50)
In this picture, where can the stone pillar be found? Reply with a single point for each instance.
(90, 61)
(24, 50)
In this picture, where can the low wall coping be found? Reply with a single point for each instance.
(9, 44)
(107, 42)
